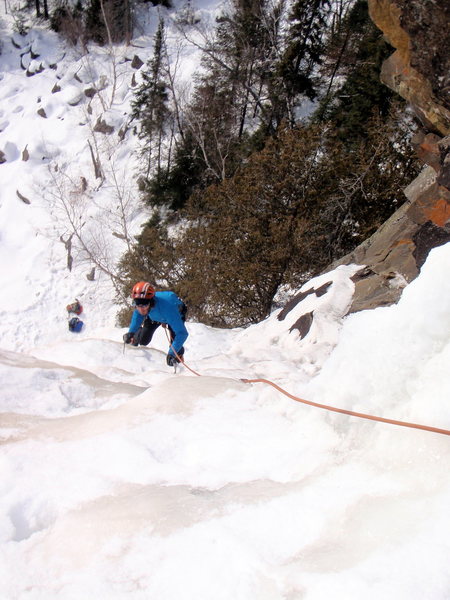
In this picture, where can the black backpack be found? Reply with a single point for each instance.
(75, 325)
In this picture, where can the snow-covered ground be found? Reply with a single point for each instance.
(120, 479)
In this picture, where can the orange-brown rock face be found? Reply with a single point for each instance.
(419, 69)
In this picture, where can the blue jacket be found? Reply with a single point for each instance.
(165, 310)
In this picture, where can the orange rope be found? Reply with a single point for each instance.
(324, 406)
(349, 412)
(180, 358)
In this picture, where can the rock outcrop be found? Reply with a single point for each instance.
(393, 256)
(419, 71)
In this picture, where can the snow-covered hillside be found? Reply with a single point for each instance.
(120, 479)
(54, 101)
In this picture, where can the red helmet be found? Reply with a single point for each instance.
(143, 289)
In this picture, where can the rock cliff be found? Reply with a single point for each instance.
(419, 71)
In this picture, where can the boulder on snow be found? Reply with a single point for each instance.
(34, 67)
(102, 127)
(70, 93)
(24, 199)
(75, 100)
(136, 63)
(304, 322)
(10, 152)
(20, 41)
(25, 60)
(35, 51)
(90, 92)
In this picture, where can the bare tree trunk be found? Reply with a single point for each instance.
(37, 4)
(96, 163)
(128, 24)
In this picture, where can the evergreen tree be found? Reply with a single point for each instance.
(150, 107)
(294, 76)
(94, 24)
(245, 38)
(68, 21)
(212, 121)
(367, 180)
(173, 185)
(44, 5)
(361, 95)
(108, 21)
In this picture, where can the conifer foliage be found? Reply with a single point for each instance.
(100, 21)
(150, 106)
(253, 200)
(228, 244)
(296, 71)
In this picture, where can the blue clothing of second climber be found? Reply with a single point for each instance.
(168, 309)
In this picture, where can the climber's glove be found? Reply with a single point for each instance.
(171, 360)
(128, 337)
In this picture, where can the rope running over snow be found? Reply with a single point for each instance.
(349, 412)
(343, 411)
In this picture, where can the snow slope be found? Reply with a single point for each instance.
(120, 479)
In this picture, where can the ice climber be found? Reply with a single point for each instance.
(153, 309)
